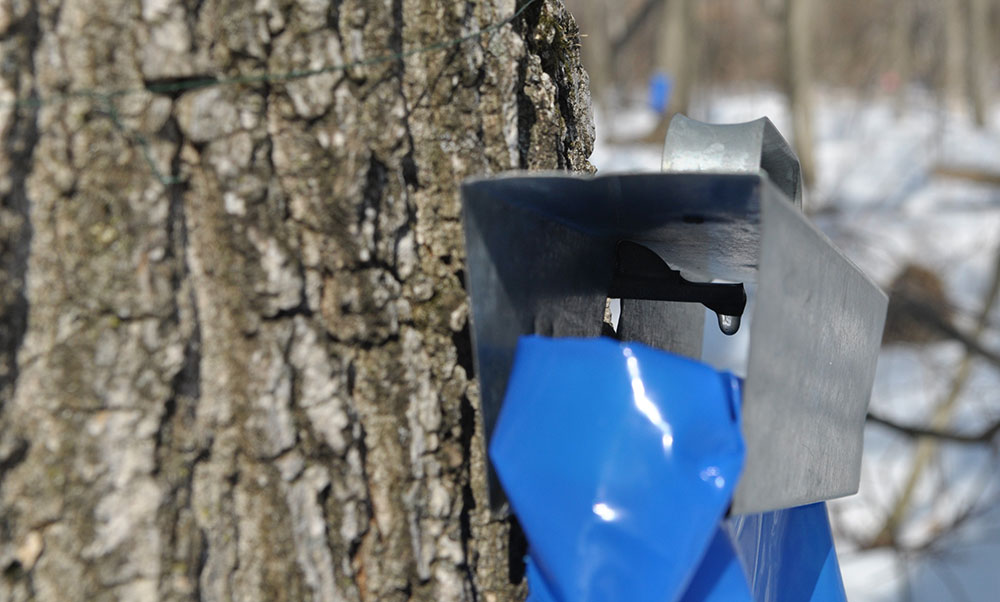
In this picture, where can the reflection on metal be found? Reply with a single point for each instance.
(695, 147)
(542, 250)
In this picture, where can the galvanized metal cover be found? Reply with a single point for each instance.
(541, 252)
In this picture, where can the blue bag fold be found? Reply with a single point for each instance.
(619, 460)
(721, 576)
(789, 555)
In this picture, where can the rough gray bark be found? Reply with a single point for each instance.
(255, 384)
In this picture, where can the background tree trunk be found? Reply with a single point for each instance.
(955, 43)
(676, 55)
(979, 59)
(597, 54)
(799, 41)
(244, 373)
(901, 50)
(675, 52)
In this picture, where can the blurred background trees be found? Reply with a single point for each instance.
(876, 47)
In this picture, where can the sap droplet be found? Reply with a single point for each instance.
(729, 324)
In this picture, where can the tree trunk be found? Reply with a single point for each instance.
(234, 356)
(676, 55)
(798, 37)
(901, 50)
(954, 68)
(979, 59)
(597, 55)
(675, 52)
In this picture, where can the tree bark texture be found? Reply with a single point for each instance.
(244, 373)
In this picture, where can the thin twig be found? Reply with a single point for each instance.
(984, 436)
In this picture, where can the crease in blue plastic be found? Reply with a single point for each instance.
(620, 461)
(720, 576)
(789, 555)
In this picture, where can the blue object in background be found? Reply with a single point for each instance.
(620, 461)
(660, 87)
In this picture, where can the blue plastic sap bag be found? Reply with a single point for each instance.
(780, 556)
(720, 576)
(619, 460)
(789, 555)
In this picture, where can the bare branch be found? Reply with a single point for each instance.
(985, 436)
(972, 174)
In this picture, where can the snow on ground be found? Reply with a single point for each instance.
(878, 198)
